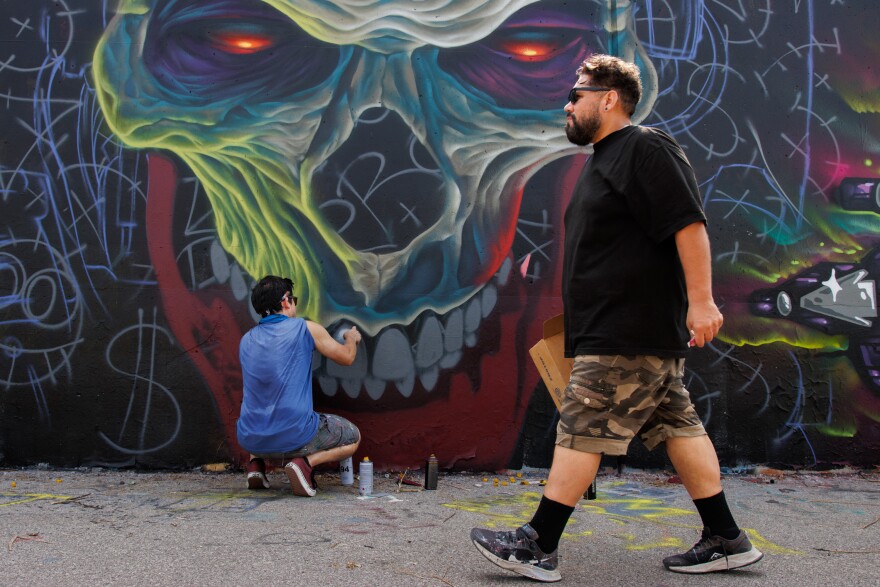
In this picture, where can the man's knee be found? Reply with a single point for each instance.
(351, 437)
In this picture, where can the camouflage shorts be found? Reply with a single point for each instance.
(611, 398)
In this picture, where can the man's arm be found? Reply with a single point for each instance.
(343, 354)
(703, 318)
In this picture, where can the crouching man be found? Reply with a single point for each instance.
(277, 417)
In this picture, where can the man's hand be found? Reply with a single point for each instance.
(704, 320)
(344, 354)
(352, 332)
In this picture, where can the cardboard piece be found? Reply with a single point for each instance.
(547, 355)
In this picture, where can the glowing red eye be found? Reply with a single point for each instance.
(242, 44)
(529, 51)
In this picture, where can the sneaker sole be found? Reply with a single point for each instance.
(734, 561)
(529, 571)
(257, 481)
(298, 482)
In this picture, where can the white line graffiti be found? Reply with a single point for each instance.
(145, 387)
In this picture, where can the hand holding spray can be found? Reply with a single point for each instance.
(365, 475)
(346, 471)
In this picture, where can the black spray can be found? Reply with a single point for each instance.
(591, 490)
(431, 470)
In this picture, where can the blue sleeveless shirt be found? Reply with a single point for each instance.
(277, 413)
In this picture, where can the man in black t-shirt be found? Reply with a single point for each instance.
(637, 292)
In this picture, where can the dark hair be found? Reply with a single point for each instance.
(266, 295)
(615, 73)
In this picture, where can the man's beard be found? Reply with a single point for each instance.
(582, 133)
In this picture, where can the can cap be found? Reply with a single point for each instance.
(366, 459)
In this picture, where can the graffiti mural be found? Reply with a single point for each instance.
(404, 162)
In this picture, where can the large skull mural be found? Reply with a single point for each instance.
(377, 152)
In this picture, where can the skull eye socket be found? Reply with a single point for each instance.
(529, 60)
(243, 49)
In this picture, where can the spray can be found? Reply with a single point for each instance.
(591, 490)
(346, 471)
(365, 476)
(432, 467)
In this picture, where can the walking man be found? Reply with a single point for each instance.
(636, 287)
(277, 418)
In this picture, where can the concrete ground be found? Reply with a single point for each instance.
(103, 527)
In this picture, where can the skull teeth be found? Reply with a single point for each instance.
(398, 358)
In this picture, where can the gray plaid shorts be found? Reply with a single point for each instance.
(332, 431)
(611, 398)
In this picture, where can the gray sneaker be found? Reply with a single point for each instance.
(517, 551)
(714, 553)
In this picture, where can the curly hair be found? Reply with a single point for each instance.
(615, 73)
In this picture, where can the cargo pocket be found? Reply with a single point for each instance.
(596, 395)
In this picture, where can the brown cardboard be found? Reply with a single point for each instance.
(547, 355)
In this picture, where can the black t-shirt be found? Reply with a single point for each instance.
(623, 287)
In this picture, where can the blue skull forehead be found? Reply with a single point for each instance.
(390, 26)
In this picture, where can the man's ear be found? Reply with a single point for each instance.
(611, 98)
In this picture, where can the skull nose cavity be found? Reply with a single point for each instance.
(382, 188)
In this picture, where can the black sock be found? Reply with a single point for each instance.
(717, 517)
(549, 522)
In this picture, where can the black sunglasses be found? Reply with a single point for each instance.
(573, 96)
(290, 299)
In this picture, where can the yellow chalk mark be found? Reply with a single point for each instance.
(668, 542)
(665, 542)
(766, 546)
(574, 535)
(648, 508)
(518, 509)
(623, 520)
(29, 497)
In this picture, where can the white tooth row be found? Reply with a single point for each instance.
(397, 360)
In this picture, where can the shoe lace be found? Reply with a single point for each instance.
(524, 542)
(706, 542)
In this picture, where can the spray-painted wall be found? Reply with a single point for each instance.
(405, 164)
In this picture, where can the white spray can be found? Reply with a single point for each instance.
(365, 475)
(346, 471)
